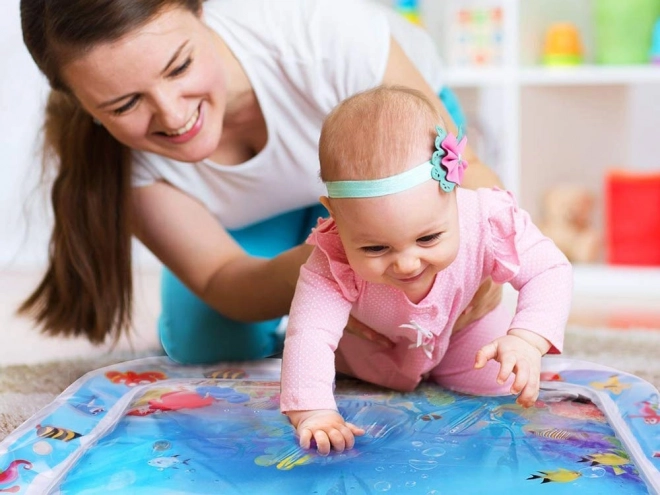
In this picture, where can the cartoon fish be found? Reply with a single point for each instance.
(90, 407)
(611, 459)
(167, 462)
(172, 401)
(284, 460)
(611, 385)
(650, 413)
(227, 374)
(430, 417)
(131, 378)
(555, 433)
(560, 475)
(56, 433)
(11, 473)
(551, 376)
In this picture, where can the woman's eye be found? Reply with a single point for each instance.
(429, 238)
(182, 68)
(127, 106)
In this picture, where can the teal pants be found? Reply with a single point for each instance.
(191, 332)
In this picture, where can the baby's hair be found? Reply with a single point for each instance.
(377, 133)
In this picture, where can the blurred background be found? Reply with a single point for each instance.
(562, 99)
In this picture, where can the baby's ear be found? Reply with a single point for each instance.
(325, 201)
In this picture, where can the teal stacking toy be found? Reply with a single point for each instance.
(655, 44)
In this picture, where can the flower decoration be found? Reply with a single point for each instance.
(447, 160)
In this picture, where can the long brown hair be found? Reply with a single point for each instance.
(87, 288)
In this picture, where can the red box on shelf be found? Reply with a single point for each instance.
(632, 217)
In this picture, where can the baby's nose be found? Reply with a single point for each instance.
(406, 265)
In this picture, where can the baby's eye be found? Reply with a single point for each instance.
(427, 239)
(374, 249)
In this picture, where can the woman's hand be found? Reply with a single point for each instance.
(326, 427)
(359, 329)
(487, 298)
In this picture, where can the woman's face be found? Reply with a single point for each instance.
(160, 89)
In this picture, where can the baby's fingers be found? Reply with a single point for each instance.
(305, 438)
(507, 363)
(530, 392)
(522, 376)
(322, 442)
(355, 430)
(487, 352)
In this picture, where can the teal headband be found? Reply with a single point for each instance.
(445, 166)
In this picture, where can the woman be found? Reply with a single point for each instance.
(194, 126)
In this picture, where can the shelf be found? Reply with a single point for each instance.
(589, 75)
(585, 75)
(474, 77)
(625, 282)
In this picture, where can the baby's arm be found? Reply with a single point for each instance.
(326, 427)
(518, 352)
(318, 315)
(542, 275)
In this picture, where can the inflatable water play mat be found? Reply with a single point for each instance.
(153, 427)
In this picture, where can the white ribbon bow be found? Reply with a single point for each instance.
(425, 338)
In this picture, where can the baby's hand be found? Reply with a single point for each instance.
(326, 427)
(519, 352)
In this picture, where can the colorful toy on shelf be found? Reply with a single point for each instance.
(567, 212)
(562, 45)
(623, 30)
(409, 9)
(476, 32)
(633, 217)
(655, 44)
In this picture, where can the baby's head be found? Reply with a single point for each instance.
(378, 133)
(390, 170)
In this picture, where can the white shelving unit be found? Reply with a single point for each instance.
(554, 125)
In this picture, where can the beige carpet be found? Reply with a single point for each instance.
(24, 390)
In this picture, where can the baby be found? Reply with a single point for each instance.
(404, 252)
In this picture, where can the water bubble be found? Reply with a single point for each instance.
(380, 469)
(161, 445)
(410, 484)
(42, 448)
(423, 465)
(417, 444)
(382, 486)
(434, 452)
(593, 472)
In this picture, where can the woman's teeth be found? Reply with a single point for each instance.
(187, 127)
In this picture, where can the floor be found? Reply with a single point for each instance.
(20, 343)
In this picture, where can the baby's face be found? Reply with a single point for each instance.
(402, 240)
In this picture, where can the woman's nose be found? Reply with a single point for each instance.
(171, 111)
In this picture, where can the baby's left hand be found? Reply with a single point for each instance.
(515, 354)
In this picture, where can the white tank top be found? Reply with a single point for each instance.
(302, 58)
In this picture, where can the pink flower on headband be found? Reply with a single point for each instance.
(453, 161)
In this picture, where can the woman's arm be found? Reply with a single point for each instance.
(183, 234)
(401, 71)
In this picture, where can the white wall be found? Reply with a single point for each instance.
(23, 234)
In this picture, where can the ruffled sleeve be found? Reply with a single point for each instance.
(325, 237)
(506, 223)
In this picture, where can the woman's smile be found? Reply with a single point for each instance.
(188, 131)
